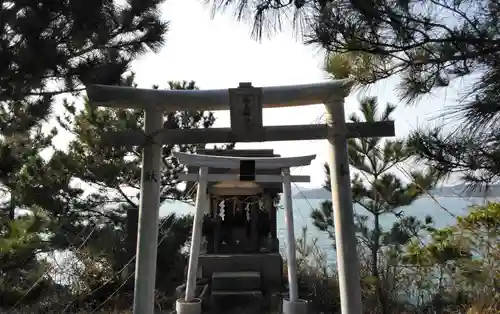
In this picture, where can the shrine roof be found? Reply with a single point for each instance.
(275, 187)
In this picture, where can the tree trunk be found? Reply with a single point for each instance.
(375, 273)
(11, 213)
(12, 208)
(131, 242)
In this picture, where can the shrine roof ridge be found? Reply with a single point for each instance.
(215, 99)
(229, 162)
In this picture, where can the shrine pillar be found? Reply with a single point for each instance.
(292, 304)
(272, 207)
(290, 237)
(190, 305)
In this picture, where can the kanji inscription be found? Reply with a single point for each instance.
(151, 176)
(245, 105)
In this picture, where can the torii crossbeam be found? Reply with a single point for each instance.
(245, 104)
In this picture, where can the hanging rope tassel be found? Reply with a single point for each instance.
(247, 210)
(222, 210)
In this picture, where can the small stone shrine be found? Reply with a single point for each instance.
(240, 257)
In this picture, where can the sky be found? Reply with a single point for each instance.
(219, 53)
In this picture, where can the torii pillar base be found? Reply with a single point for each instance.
(295, 307)
(188, 307)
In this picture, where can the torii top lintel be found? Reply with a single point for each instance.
(226, 162)
(192, 100)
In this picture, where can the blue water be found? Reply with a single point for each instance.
(442, 210)
(302, 209)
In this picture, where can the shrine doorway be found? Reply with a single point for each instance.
(240, 224)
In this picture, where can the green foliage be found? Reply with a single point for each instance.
(22, 232)
(77, 197)
(49, 48)
(114, 173)
(316, 281)
(88, 193)
(374, 187)
(112, 178)
(465, 255)
(67, 43)
(483, 219)
(105, 269)
(353, 65)
(20, 242)
(474, 157)
(456, 270)
(427, 45)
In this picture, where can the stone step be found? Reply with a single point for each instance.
(236, 281)
(236, 302)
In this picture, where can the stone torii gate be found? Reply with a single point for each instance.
(245, 104)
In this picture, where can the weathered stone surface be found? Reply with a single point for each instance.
(248, 302)
(270, 266)
(236, 281)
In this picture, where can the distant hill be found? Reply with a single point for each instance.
(462, 190)
(445, 191)
(320, 193)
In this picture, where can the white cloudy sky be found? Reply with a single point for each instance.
(219, 53)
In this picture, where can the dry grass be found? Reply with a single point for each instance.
(489, 307)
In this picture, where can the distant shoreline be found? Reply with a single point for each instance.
(446, 191)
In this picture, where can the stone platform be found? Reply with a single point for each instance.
(268, 265)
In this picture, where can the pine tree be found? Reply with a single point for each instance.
(474, 157)
(90, 192)
(465, 255)
(111, 176)
(115, 172)
(426, 46)
(21, 241)
(48, 48)
(378, 191)
(52, 47)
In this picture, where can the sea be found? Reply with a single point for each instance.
(443, 210)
